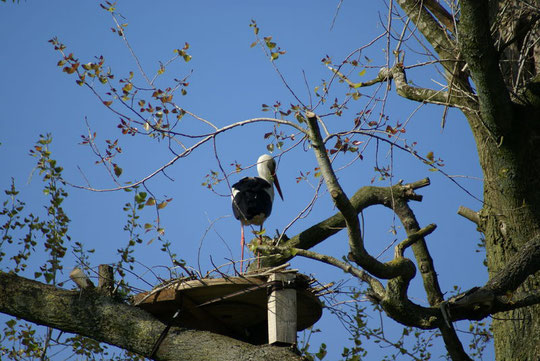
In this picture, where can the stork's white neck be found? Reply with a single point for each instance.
(266, 167)
(265, 173)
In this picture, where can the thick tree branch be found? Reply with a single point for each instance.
(430, 28)
(456, 98)
(393, 299)
(421, 13)
(429, 275)
(441, 14)
(523, 264)
(420, 250)
(453, 343)
(483, 60)
(497, 294)
(101, 318)
(365, 197)
(339, 197)
(358, 253)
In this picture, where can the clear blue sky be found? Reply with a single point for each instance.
(229, 83)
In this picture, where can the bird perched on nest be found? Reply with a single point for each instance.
(252, 197)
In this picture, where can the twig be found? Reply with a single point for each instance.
(374, 283)
(122, 31)
(191, 149)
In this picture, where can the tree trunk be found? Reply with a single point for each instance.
(511, 217)
(507, 134)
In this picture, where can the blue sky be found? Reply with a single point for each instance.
(229, 81)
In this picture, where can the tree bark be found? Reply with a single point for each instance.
(102, 318)
(511, 166)
(498, 40)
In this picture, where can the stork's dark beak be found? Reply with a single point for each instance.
(276, 183)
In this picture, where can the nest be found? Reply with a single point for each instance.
(231, 306)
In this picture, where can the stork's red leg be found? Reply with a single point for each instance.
(242, 243)
(258, 253)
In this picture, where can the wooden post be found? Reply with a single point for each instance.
(282, 310)
(106, 279)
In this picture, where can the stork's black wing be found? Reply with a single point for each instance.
(251, 198)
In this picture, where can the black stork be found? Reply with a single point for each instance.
(252, 197)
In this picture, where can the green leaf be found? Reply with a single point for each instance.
(322, 352)
(362, 73)
(127, 88)
(117, 170)
(260, 233)
(140, 197)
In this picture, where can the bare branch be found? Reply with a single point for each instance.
(186, 152)
(381, 77)
(374, 283)
(120, 29)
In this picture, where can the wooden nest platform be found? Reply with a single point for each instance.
(263, 307)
